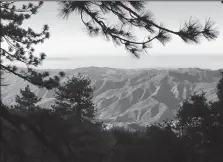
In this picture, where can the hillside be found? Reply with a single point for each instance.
(131, 96)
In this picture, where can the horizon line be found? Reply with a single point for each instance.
(175, 55)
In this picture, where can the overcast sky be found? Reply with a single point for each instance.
(68, 38)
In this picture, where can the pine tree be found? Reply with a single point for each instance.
(132, 14)
(27, 101)
(20, 43)
(74, 98)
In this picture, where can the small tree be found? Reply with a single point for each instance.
(74, 98)
(27, 101)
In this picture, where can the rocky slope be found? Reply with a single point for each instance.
(131, 96)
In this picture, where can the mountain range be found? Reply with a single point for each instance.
(130, 96)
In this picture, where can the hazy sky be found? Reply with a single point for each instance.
(68, 38)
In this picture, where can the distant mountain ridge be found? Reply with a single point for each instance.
(122, 96)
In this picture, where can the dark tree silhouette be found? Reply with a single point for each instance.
(74, 98)
(27, 101)
(200, 124)
(132, 14)
(192, 117)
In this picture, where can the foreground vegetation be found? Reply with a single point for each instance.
(70, 132)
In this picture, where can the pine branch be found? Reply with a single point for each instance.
(139, 17)
(29, 8)
(129, 14)
(19, 40)
(37, 78)
(103, 26)
(189, 33)
(122, 40)
(14, 56)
